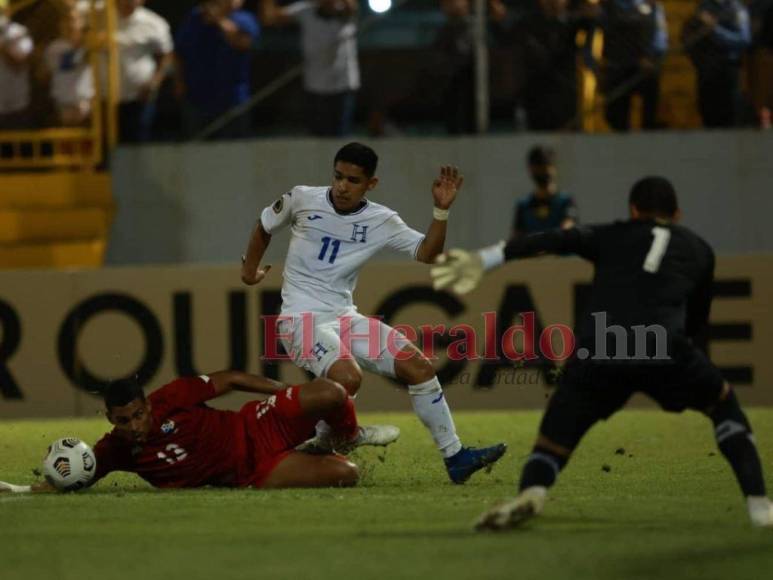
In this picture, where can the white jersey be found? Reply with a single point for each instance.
(328, 249)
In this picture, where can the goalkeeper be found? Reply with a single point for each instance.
(652, 283)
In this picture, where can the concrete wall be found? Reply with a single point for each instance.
(197, 203)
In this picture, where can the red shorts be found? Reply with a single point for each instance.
(274, 433)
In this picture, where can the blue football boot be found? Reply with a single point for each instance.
(469, 460)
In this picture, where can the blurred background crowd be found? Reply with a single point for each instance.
(251, 68)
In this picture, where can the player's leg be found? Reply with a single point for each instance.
(695, 383)
(393, 355)
(735, 440)
(572, 410)
(298, 469)
(322, 360)
(326, 400)
(415, 370)
(346, 372)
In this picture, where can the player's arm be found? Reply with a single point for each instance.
(252, 273)
(226, 381)
(462, 270)
(40, 487)
(272, 218)
(444, 190)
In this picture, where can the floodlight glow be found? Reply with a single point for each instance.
(380, 6)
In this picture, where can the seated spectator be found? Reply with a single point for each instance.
(69, 70)
(145, 53)
(546, 207)
(635, 40)
(716, 38)
(331, 70)
(213, 65)
(15, 50)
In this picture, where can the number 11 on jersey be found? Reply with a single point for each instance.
(327, 241)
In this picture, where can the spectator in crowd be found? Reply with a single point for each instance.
(15, 51)
(331, 70)
(716, 38)
(635, 40)
(455, 45)
(761, 63)
(546, 207)
(145, 54)
(69, 71)
(545, 61)
(212, 48)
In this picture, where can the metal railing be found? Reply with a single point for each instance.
(77, 148)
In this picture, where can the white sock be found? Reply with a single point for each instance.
(323, 430)
(430, 406)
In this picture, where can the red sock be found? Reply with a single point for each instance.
(343, 420)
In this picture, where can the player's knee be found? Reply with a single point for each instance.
(347, 474)
(349, 376)
(415, 370)
(331, 393)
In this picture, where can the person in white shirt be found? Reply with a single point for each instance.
(71, 74)
(15, 50)
(335, 231)
(331, 71)
(145, 55)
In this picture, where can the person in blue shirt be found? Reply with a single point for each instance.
(212, 49)
(715, 39)
(547, 207)
(635, 40)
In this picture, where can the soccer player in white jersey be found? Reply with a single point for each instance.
(335, 231)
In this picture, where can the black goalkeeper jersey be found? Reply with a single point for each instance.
(646, 273)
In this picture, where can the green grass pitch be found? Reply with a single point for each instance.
(665, 507)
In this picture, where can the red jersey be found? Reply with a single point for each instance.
(189, 445)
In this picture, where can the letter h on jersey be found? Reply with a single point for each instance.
(359, 233)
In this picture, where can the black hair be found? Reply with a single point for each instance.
(359, 155)
(541, 155)
(122, 392)
(654, 196)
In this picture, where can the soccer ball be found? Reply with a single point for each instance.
(69, 464)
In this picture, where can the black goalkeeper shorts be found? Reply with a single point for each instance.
(589, 391)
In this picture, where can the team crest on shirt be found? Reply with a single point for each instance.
(168, 427)
(359, 233)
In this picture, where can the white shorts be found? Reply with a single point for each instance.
(315, 342)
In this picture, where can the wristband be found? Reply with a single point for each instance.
(492, 256)
(440, 215)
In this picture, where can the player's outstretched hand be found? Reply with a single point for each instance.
(459, 269)
(252, 277)
(446, 186)
(11, 488)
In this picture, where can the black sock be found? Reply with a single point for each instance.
(542, 468)
(736, 442)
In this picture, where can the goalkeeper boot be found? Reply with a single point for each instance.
(513, 513)
(760, 511)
